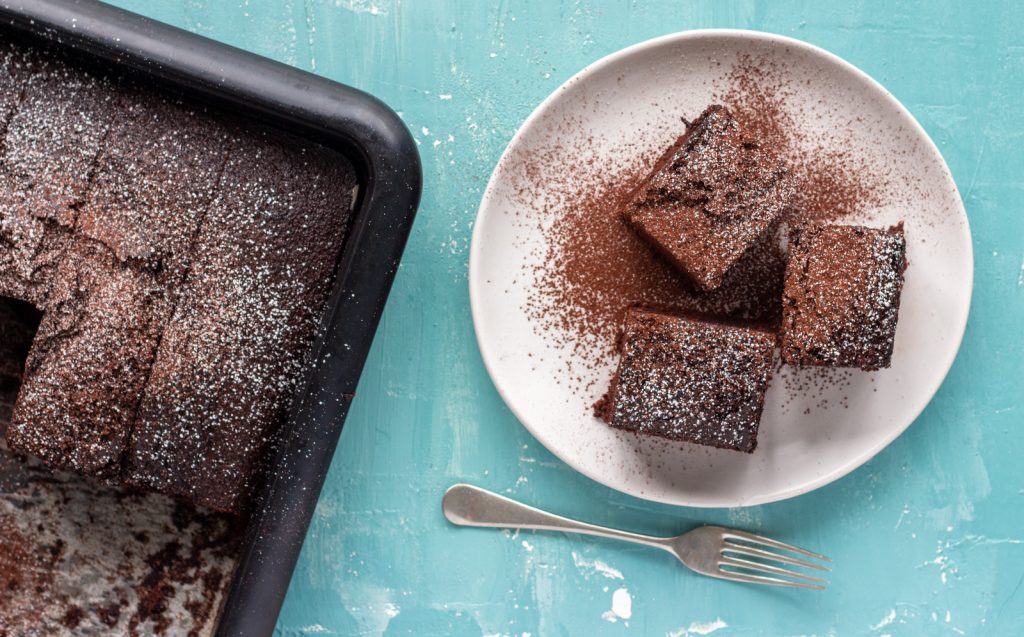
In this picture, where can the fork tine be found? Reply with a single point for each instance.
(760, 539)
(761, 579)
(766, 568)
(743, 549)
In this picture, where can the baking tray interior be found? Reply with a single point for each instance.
(81, 558)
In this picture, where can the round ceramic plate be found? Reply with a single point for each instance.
(617, 107)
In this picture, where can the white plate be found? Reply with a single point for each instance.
(622, 97)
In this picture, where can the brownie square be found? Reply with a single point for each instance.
(689, 378)
(710, 197)
(841, 295)
(154, 181)
(51, 135)
(52, 141)
(88, 364)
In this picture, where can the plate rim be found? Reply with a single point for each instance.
(475, 293)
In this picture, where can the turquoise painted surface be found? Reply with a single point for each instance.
(928, 537)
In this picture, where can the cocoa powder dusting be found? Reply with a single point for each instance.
(593, 267)
(831, 181)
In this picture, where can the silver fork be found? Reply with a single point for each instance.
(714, 551)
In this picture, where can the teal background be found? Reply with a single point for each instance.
(927, 537)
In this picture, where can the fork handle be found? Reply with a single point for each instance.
(466, 505)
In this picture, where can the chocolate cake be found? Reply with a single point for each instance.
(690, 378)
(49, 146)
(181, 259)
(710, 197)
(154, 181)
(150, 187)
(231, 356)
(841, 295)
(88, 364)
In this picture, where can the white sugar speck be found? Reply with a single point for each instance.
(595, 566)
(889, 618)
(622, 606)
(700, 628)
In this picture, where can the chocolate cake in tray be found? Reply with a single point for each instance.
(181, 259)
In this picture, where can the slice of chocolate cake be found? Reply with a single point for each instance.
(689, 378)
(88, 364)
(233, 353)
(711, 196)
(154, 181)
(49, 149)
(53, 139)
(842, 295)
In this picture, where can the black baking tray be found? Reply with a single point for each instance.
(388, 169)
